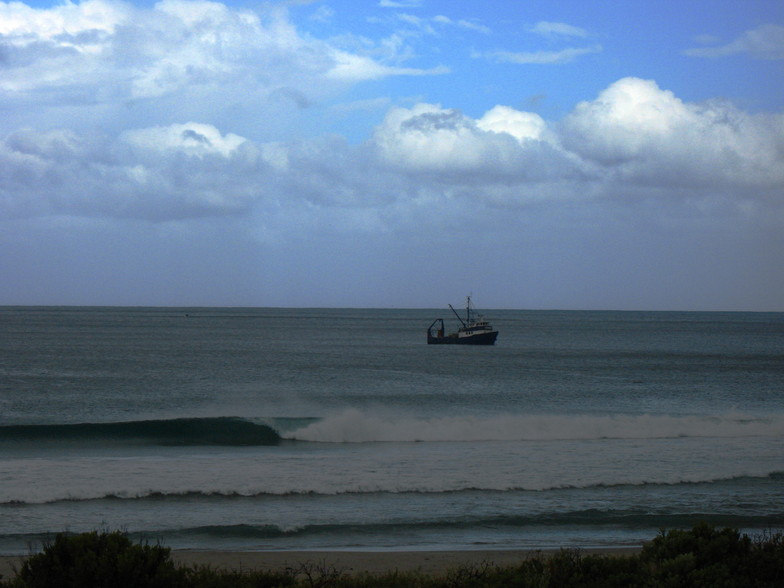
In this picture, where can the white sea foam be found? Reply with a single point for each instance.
(353, 426)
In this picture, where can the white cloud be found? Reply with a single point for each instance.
(356, 68)
(23, 24)
(156, 174)
(106, 52)
(645, 134)
(323, 14)
(634, 138)
(191, 138)
(763, 42)
(553, 30)
(506, 158)
(462, 23)
(543, 57)
(400, 3)
(430, 138)
(558, 29)
(521, 125)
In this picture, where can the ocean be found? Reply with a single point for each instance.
(341, 429)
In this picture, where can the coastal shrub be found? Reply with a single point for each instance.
(98, 560)
(206, 577)
(768, 558)
(700, 557)
(570, 567)
(718, 558)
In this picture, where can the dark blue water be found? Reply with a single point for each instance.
(319, 428)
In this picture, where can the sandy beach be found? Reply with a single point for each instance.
(375, 562)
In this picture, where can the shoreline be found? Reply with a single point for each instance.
(349, 562)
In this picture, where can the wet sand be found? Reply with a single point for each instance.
(350, 562)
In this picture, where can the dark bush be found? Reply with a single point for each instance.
(715, 558)
(206, 577)
(701, 557)
(99, 560)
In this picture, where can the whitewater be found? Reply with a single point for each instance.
(341, 429)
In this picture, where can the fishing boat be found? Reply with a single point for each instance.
(475, 330)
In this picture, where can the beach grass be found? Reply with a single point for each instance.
(703, 556)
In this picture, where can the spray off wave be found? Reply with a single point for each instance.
(353, 426)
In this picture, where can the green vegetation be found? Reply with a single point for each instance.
(99, 560)
(701, 557)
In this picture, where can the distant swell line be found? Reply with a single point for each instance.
(237, 495)
(184, 431)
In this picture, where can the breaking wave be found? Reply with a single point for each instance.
(353, 426)
(185, 431)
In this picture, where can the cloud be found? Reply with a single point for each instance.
(322, 14)
(146, 53)
(523, 126)
(355, 68)
(400, 3)
(108, 55)
(193, 139)
(24, 24)
(543, 57)
(181, 172)
(642, 134)
(429, 138)
(464, 24)
(158, 174)
(633, 139)
(764, 42)
(410, 26)
(555, 29)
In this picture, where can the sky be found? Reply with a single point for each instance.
(559, 154)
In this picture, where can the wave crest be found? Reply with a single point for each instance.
(259, 494)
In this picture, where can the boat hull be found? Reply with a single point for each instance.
(487, 338)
